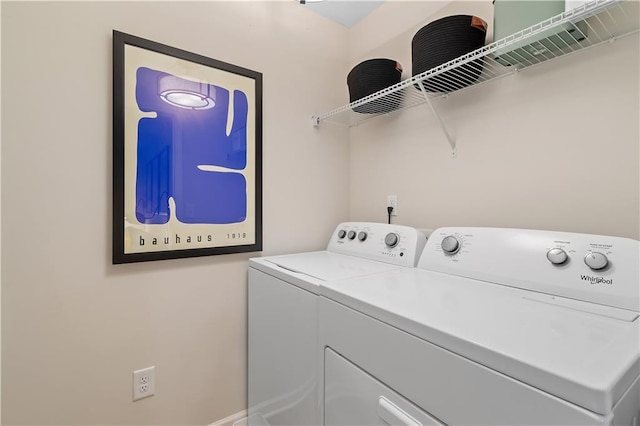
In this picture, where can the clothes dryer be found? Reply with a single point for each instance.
(494, 327)
(284, 361)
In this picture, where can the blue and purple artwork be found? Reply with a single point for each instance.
(186, 152)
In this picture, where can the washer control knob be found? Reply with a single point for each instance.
(450, 245)
(392, 239)
(362, 235)
(557, 256)
(351, 235)
(596, 260)
(342, 233)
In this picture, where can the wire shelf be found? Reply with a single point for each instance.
(589, 25)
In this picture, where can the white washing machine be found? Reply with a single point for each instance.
(495, 326)
(284, 360)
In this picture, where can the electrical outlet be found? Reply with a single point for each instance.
(144, 383)
(392, 201)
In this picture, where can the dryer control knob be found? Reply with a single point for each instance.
(342, 233)
(362, 235)
(392, 239)
(557, 256)
(351, 235)
(596, 260)
(450, 245)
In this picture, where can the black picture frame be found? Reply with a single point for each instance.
(187, 154)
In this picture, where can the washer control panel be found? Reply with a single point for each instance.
(592, 268)
(397, 244)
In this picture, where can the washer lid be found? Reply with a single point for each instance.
(327, 266)
(309, 270)
(584, 353)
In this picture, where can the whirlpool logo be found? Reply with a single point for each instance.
(596, 280)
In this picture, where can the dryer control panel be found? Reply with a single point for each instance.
(592, 268)
(396, 244)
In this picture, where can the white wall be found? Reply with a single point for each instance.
(554, 147)
(0, 220)
(74, 327)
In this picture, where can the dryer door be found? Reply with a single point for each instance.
(353, 397)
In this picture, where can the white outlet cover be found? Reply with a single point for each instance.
(392, 201)
(144, 383)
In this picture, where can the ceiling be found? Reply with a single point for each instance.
(344, 12)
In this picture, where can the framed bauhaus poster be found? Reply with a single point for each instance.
(187, 154)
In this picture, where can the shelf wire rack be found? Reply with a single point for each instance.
(594, 23)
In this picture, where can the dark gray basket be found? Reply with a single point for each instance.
(371, 76)
(444, 40)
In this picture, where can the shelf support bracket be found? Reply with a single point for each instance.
(452, 143)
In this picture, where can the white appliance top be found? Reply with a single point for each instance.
(592, 268)
(395, 244)
(328, 266)
(355, 249)
(514, 317)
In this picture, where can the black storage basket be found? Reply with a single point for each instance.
(444, 40)
(371, 76)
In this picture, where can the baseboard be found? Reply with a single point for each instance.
(233, 420)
